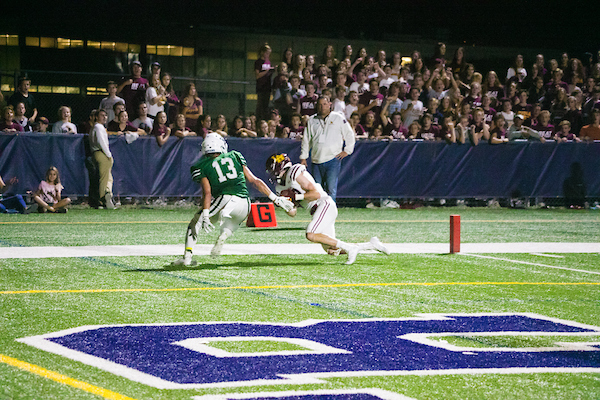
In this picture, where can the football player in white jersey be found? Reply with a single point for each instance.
(295, 182)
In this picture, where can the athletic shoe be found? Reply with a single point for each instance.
(352, 253)
(218, 247)
(371, 206)
(185, 261)
(390, 203)
(109, 203)
(378, 245)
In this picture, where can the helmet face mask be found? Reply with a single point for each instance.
(277, 165)
(214, 143)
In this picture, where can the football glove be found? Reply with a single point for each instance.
(206, 225)
(284, 203)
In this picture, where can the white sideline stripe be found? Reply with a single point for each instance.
(286, 248)
(546, 255)
(530, 263)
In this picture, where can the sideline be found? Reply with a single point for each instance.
(286, 249)
(530, 263)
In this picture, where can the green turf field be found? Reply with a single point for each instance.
(42, 296)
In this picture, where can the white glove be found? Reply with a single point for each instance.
(284, 203)
(207, 226)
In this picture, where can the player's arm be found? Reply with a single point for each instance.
(264, 189)
(311, 192)
(206, 193)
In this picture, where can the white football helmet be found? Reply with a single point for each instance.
(214, 143)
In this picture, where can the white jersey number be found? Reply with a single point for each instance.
(228, 162)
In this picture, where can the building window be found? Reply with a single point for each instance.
(169, 50)
(9, 40)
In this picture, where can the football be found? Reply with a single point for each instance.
(292, 212)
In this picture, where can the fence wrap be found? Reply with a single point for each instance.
(375, 169)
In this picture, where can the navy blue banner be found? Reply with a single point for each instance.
(376, 169)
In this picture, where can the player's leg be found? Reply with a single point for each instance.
(231, 217)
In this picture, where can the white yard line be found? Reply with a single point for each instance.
(530, 263)
(287, 248)
(547, 255)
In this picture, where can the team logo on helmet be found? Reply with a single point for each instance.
(277, 165)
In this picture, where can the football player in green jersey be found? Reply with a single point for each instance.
(225, 200)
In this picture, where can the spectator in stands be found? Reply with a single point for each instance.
(446, 107)
(428, 131)
(64, 124)
(123, 126)
(436, 116)
(48, 194)
(447, 130)
(507, 112)
(592, 131)
(465, 109)
(371, 101)
(536, 109)
(466, 78)
(20, 117)
(172, 101)
(413, 130)
(133, 89)
(489, 112)
(555, 83)
(339, 104)
(564, 134)
(539, 61)
(240, 130)
(107, 103)
(544, 128)
(517, 69)
(155, 69)
(360, 86)
(296, 131)
(204, 124)
(479, 128)
(310, 65)
(221, 126)
(359, 130)
(369, 123)
(160, 130)
(459, 63)
(41, 125)
(22, 95)
(328, 57)
(263, 129)
(101, 152)
(523, 107)
(474, 96)
(86, 126)
(287, 56)
(308, 102)
(492, 87)
(591, 104)
(179, 129)
(155, 97)
(299, 64)
(191, 106)
(520, 131)
(574, 115)
(558, 107)
(412, 108)
(396, 64)
(262, 72)
(296, 92)
(497, 132)
(143, 122)
(537, 93)
(464, 132)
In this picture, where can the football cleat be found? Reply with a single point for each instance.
(218, 247)
(185, 261)
(379, 246)
(352, 253)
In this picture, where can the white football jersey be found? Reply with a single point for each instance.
(291, 183)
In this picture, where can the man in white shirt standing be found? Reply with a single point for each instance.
(328, 138)
(103, 156)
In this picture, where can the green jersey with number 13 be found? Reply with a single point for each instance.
(225, 174)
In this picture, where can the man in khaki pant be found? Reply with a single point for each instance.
(103, 156)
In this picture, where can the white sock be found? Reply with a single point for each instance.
(366, 246)
(343, 245)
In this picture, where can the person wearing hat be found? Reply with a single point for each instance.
(155, 69)
(519, 131)
(133, 89)
(41, 125)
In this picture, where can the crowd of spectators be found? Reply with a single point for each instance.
(384, 98)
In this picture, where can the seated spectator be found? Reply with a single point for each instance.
(564, 134)
(108, 103)
(412, 108)
(592, 131)
(11, 203)
(221, 127)
(172, 101)
(133, 89)
(447, 130)
(204, 125)
(308, 103)
(486, 102)
(393, 128)
(238, 128)
(20, 117)
(191, 106)
(544, 128)
(520, 131)
(360, 132)
(507, 112)
(48, 193)
(155, 97)
(179, 129)
(143, 121)
(22, 95)
(352, 105)
(41, 125)
(160, 130)
(497, 131)
(296, 130)
(428, 131)
(64, 125)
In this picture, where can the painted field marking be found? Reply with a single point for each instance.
(547, 255)
(60, 378)
(337, 285)
(530, 263)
